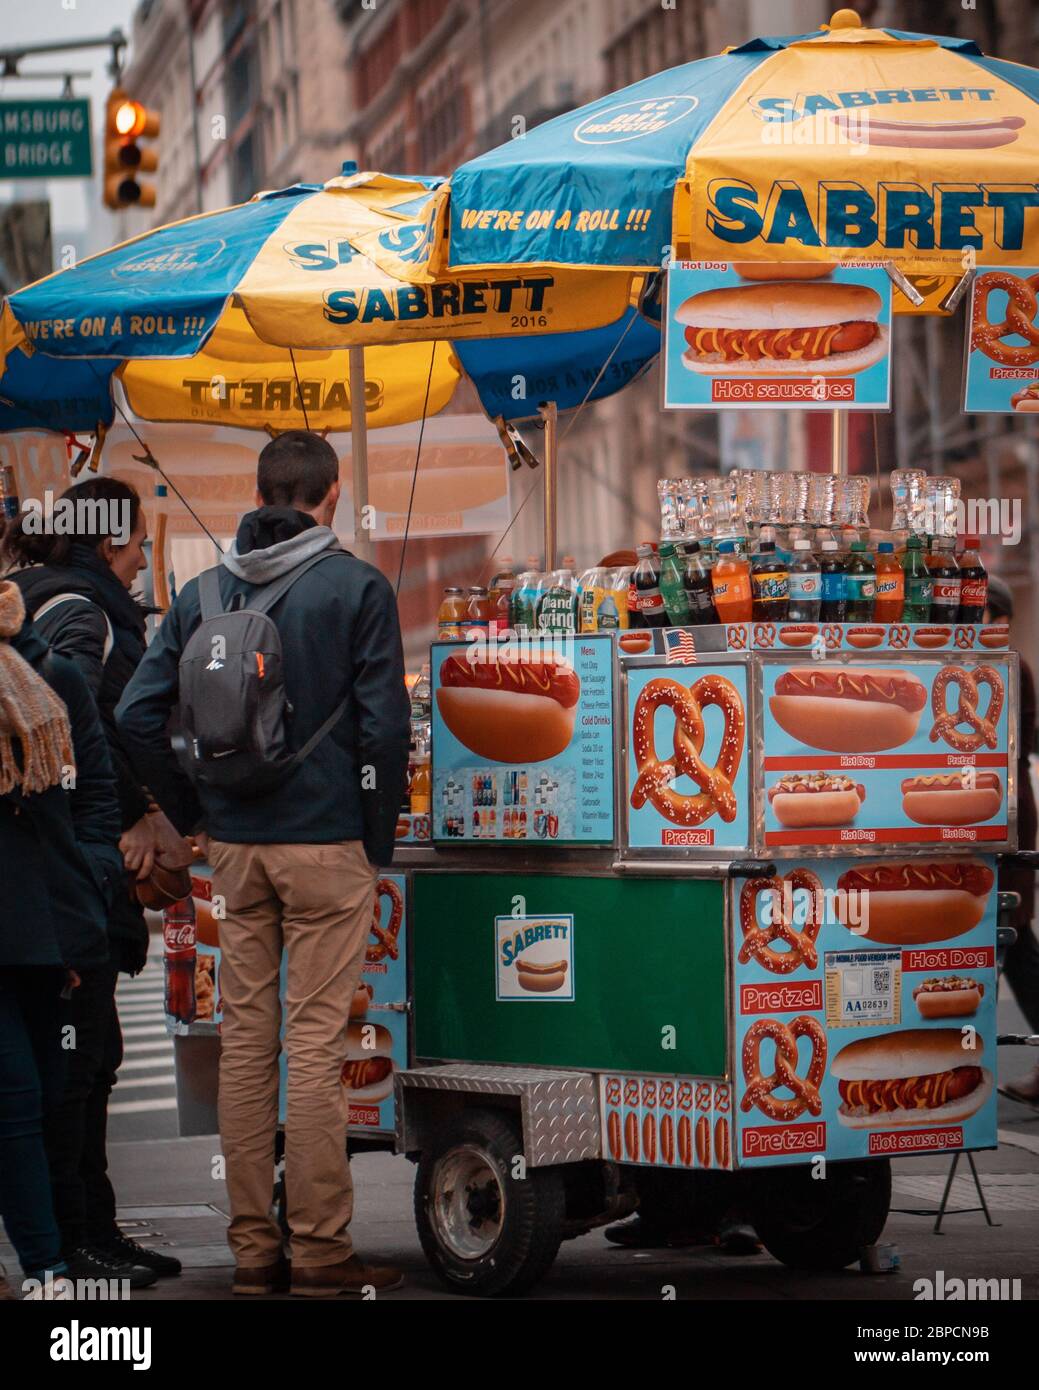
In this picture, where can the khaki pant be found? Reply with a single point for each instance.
(317, 901)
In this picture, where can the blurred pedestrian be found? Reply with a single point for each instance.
(296, 864)
(58, 848)
(76, 586)
(1021, 963)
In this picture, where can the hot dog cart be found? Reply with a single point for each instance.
(632, 955)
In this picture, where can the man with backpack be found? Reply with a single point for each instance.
(285, 665)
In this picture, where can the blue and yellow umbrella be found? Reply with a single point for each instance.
(844, 143)
(246, 317)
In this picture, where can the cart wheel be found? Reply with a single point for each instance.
(483, 1231)
(822, 1223)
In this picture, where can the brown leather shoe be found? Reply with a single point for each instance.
(258, 1280)
(348, 1278)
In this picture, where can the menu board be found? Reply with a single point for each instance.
(860, 752)
(688, 785)
(865, 1009)
(1002, 355)
(523, 741)
(817, 338)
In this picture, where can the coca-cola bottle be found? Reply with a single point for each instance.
(178, 940)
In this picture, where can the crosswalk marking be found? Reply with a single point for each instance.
(137, 1107)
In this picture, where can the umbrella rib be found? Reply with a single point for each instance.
(154, 463)
(299, 390)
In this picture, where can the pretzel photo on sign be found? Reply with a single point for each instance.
(764, 634)
(384, 939)
(613, 1091)
(1019, 317)
(898, 636)
(703, 1095)
(761, 1087)
(757, 940)
(736, 637)
(722, 1100)
(833, 634)
(984, 728)
(964, 638)
(685, 1095)
(656, 776)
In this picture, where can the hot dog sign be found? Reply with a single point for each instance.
(753, 335)
(865, 1016)
(864, 753)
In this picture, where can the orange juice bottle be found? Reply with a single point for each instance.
(420, 791)
(730, 583)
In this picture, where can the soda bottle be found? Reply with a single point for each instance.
(697, 581)
(945, 575)
(645, 584)
(421, 697)
(730, 585)
(973, 583)
(891, 586)
(178, 948)
(770, 583)
(672, 586)
(451, 614)
(861, 585)
(501, 599)
(806, 586)
(919, 586)
(9, 503)
(834, 577)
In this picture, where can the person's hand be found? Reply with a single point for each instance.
(137, 846)
(201, 842)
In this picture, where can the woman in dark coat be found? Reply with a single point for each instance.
(59, 827)
(76, 587)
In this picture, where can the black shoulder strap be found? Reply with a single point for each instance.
(315, 738)
(211, 603)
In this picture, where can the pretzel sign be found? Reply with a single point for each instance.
(1020, 312)
(385, 938)
(655, 777)
(760, 1088)
(898, 636)
(946, 725)
(757, 939)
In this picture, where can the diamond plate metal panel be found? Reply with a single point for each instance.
(559, 1109)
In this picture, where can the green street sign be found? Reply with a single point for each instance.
(45, 139)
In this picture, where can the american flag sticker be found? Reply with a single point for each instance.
(679, 647)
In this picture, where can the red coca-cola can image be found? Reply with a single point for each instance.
(178, 944)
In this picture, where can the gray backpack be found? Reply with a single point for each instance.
(234, 712)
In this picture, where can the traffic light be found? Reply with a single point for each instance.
(126, 124)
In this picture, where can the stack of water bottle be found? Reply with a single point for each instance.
(791, 547)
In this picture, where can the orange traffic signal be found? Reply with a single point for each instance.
(127, 122)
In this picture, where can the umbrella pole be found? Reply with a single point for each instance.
(359, 453)
(839, 443)
(550, 415)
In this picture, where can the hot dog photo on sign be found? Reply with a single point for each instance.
(1002, 372)
(522, 747)
(744, 335)
(862, 752)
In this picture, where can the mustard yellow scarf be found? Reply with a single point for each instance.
(31, 715)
